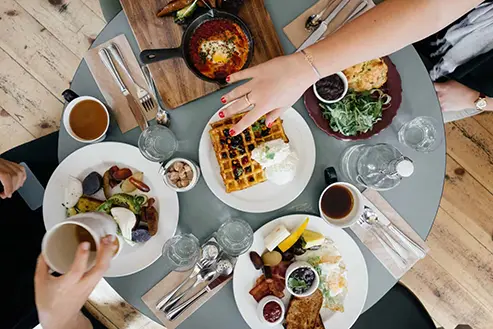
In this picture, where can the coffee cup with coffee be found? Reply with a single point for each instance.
(85, 118)
(60, 243)
(340, 204)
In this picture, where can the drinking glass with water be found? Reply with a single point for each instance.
(420, 133)
(157, 143)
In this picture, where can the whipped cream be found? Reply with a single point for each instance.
(278, 161)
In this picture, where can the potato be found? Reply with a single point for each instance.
(272, 258)
(127, 186)
(87, 204)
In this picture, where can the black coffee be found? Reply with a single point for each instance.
(337, 202)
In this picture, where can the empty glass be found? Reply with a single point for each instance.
(421, 134)
(157, 143)
(235, 236)
(182, 251)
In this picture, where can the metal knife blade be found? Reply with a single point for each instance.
(319, 32)
(136, 111)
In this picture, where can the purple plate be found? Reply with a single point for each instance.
(393, 87)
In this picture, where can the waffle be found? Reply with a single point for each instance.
(234, 154)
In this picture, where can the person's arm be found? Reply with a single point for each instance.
(12, 177)
(454, 96)
(388, 27)
(60, 299)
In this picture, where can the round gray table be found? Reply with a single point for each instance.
(416, 199)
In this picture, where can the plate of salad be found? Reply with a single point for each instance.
(114, 178)
(371, 103)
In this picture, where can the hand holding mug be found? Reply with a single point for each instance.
(60, 299)
(12, 177)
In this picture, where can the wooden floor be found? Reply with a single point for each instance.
(41, 45)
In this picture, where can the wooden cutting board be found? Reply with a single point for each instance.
(176, 84)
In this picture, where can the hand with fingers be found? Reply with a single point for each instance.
(274, 86)
(60, 299)
(12, 177)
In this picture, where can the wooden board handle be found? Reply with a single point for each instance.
(149, 56)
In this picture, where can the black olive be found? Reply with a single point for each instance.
(92, 183)
(256, 260)
(288, 255)
(298, 250)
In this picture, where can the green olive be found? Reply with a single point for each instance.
(272, 258)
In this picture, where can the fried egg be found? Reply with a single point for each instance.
(218, 51)
(332, 271)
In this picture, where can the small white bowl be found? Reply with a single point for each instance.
(346, 87)
(300, 264)
(260, 310)
(195, 179)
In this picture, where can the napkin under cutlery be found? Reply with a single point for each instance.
(380, 238)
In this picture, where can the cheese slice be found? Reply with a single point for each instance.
(275, 237)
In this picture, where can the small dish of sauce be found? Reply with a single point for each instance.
(271, 310)
(331, 89)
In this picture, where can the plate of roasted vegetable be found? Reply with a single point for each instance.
(301, 273)
(115, 179)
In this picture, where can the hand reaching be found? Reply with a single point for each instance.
(274, 86)
(60, 299)
(12, 176)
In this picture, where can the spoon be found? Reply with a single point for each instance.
(224, 268)
(315, 20)
(204, 275)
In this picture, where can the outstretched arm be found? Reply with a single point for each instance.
(388, 27)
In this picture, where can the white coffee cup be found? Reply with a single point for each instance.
(355, 212)
(60, 243)
(66, 119)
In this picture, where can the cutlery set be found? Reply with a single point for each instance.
(208, 270)
(145, 101)
(400, 249)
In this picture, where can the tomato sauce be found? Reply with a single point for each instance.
(218, 48)
(272, 311)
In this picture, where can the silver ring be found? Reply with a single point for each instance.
(248, 101)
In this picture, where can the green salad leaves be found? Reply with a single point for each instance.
(356, 113)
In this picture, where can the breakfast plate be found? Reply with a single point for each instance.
(265, 196)
(98, 158)
(246, 277)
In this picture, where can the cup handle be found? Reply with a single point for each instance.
(330, 176)
(69, 95)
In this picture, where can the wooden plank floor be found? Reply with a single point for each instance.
(41, 45)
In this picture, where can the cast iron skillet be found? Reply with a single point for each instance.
(149, 56)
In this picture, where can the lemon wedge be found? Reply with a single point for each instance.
(312, 239)
(293, 237)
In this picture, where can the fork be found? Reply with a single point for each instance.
(162, 116)
(143, 95)
(398, 259)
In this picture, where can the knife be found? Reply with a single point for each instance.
(132, 103)
(319, 32)
(177, 310)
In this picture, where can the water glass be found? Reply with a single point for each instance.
(182, 251)
(421, 134)
(235, 236)
(157, 143)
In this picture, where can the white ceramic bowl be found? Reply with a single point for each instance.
(260, 310)
(354, 214)
(195, 179)
(66, 119)
(300, 264)
(346, 87)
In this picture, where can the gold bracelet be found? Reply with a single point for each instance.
(309, 59)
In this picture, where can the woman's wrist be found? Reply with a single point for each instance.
(307, 71)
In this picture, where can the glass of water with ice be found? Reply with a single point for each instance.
(421, 134)
(157, 143)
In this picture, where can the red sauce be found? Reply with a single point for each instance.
(225, 32)
(272, 311)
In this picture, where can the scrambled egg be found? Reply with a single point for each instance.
(217, 51)
(332, 272)
(367, 75)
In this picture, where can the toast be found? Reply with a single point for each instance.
(304, 313)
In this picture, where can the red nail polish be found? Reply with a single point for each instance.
(228, 78)
(231, 132)
(223, 100)
(221, 114)
(269, 125)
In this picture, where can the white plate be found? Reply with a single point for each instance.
(265, 196)
(245, 274)
(100, 157)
